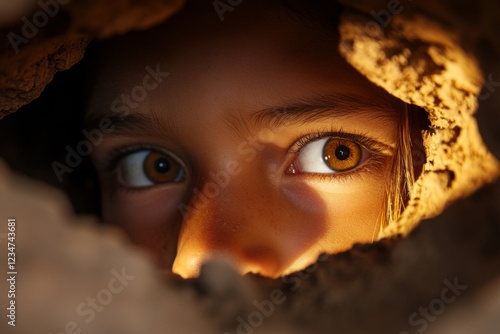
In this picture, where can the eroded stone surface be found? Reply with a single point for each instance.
(369, 289)
(62, 261)
(27, 67)
(422, 62)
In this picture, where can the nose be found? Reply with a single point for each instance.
(249, 223)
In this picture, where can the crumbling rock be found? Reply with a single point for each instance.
(374, 288)
(61, 261)
(424, 62)
(27, 67)
(24, 76)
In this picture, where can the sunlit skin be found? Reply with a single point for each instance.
(275, 215)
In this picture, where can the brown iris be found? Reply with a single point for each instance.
(341, 154)
(161, 168)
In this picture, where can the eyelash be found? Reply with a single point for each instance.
(372, 145)
(119, 153)
(378, 151)
(111, 166)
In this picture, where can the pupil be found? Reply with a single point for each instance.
(342, 152)
(162, 166)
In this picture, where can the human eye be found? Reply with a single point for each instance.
(331, 154)
(145, 168)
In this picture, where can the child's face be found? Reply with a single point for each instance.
(290, 147)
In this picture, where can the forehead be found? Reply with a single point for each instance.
(260, 54)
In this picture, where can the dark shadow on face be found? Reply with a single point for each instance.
(35, 141)
(252, 98)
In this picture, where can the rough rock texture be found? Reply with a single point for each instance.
(27, 67)
(62, 260)
(480, 315)
(424, 62)
(24, 76)
(375, 288)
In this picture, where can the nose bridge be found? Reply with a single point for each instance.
(224, 216)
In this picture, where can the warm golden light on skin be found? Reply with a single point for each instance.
(190, 267)
(217, 114)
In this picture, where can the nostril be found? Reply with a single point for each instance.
(261, 260)
(237, 234)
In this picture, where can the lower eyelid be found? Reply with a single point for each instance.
(310, 145)
(125, 191)
(111, 172)
(371, 165)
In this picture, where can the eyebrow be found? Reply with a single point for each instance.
(132, 124)
(319, 107)
(294, 113)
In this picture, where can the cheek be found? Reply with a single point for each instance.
(331, 216)
(354, 210)
(152, 221)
